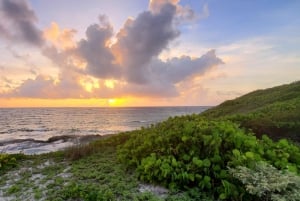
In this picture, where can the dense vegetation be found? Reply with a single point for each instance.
(197, 151)
(193, 152)
(266, 182)
(225, 153)
(274, 111)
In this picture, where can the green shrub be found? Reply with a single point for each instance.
(187, 152)
(268, 183)
(7, 161)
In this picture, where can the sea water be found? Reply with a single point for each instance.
(27, 130)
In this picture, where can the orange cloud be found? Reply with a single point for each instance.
(60, 38)
(35, 102)
(89, 83)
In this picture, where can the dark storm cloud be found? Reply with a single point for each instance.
(23, 19)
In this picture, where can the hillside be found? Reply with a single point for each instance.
(274, 111)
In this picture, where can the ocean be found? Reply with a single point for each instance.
(42, 130)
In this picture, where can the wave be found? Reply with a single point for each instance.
(26, 130)
(62, 138)
(138, 121)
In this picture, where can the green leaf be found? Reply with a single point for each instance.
(222, 196)
(184, 138)
(197, 162)
(174, 162)
(206, 163)
(236, 153)
(249, 155)
(206, 179)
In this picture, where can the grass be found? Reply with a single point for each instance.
(274, 111)
(96, 175)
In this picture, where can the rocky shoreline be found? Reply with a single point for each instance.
(31, 146)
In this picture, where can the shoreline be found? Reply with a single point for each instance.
(30, 146)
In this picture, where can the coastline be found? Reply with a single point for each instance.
(42, 130)
(31, 146)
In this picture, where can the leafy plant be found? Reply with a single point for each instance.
(268, 183)
(190, 151)
(9, 160)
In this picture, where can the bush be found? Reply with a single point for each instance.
(268, 183)
(187, 152)
(7, 161)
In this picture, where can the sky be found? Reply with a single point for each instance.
(108, 53)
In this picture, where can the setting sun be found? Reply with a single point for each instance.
(115, 102)
(112, 101)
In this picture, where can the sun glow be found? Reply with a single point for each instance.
(116, 102)
(33, 102)
(111, 101)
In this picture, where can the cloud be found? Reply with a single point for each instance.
(100, 60)
(48, 87)
(155, 6)
(60, 38)
(25, 58)
(130, 57)
(142, 39)
(4, 32)
(40, 87)
(164, 76)
(177, 69)
(183, 13)
(20, 22)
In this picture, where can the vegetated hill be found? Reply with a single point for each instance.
(274, 111)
